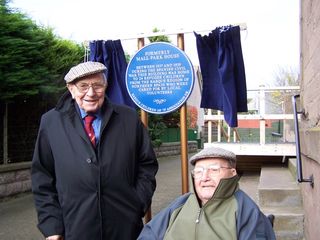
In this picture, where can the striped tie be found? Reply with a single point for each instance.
(89, 129)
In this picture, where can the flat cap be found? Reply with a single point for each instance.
(84, 69)
(213, 152)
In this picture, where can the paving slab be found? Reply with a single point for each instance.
(18, 216)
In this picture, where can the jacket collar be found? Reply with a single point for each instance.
(68, 107)
(66, 104)
(225, 189)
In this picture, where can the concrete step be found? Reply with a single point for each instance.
(286, 218)
(289, 235)
(279, 194)
(292, 166)
(249, 182)
(277, 188)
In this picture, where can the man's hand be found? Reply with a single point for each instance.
(55, 237)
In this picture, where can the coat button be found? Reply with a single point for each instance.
(89, 160)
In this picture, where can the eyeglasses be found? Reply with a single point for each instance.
(212, 171)
(84, 87)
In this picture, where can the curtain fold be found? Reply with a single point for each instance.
(111, 54)
(223, 72)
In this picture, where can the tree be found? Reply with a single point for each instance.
(32, 57)
(286, 77)
(159, 38)
(33, 61)
(282, 99)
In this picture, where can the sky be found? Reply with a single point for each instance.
(270, 42)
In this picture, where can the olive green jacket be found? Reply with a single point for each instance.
(229, 214)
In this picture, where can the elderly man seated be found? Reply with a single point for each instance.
(215, 207)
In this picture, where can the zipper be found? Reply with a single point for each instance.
(199, 214)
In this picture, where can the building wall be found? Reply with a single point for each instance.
(310, 122)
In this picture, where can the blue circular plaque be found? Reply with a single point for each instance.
(159, 78)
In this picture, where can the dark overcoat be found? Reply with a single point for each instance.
(82, 192)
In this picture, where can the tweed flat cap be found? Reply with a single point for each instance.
(213, 152)
(84, 69)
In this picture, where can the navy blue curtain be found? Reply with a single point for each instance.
(223, 72)
(111, 54)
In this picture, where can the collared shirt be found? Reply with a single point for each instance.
(96, 123)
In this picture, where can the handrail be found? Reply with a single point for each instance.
(300, 178)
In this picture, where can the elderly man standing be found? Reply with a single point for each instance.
(215, 208)
(93, 169)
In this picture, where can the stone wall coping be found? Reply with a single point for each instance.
(14, 166)
(10, 167)
(174, 143)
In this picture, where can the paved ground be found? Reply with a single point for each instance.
(18, 217)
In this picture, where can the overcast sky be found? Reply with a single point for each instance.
(270, 42)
